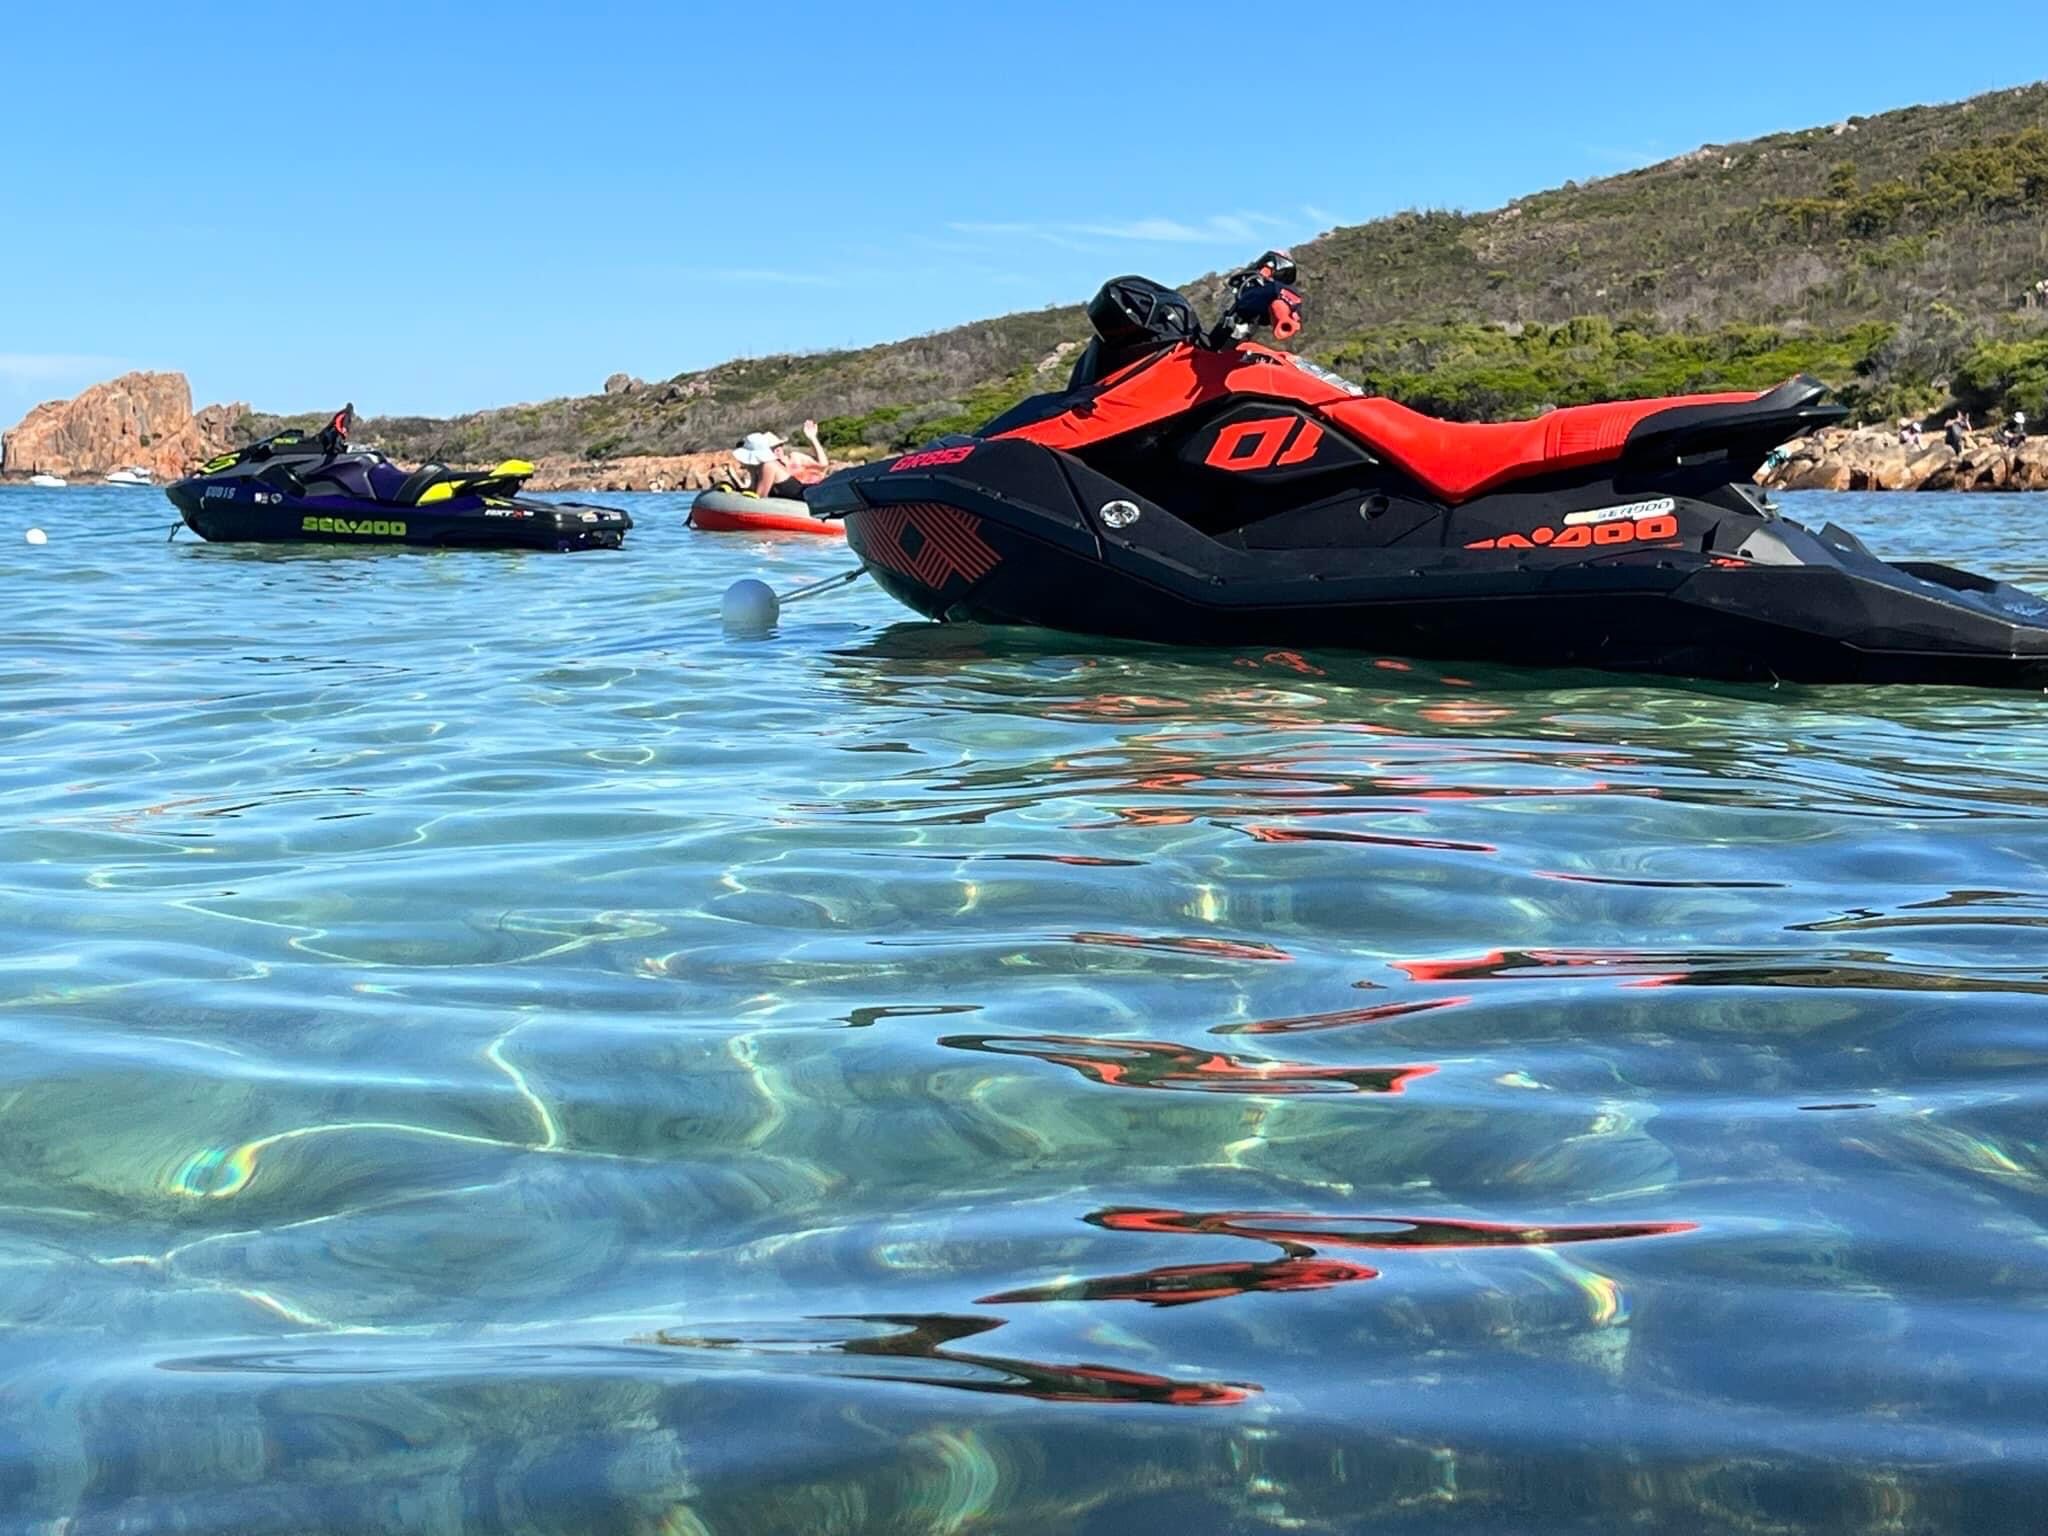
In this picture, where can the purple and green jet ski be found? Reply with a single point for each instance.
(299, 487)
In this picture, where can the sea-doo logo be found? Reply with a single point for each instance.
(375, 529)
(1642, 530)
(1271, 442)
(933, 459)
(219, 493)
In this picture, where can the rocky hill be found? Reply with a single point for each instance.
(139, 418)
(1895, 255)
(1902, 257)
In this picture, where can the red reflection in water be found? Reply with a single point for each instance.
(1227, 949)
(1293, 661)
(1178, 1068)
(1832, 970)
(1334, 782)
(1297, 1231)
(1339, 1018)
(1077, 860)
(1182, 1284)
(1159, 781)
(924, 1338)
(1136, 816)
(1462, 713)
(1118, 706)
(1648, 970)
(1298, 1237)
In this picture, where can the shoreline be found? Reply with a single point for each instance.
(1873, 459)
(147, 419)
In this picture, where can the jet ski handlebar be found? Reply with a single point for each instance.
(334, 436)
(1261, 295)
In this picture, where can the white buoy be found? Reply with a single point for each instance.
(36, 536)
(749, 605)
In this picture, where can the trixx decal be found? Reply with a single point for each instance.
(933, 458)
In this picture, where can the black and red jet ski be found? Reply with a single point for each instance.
(1197, 487)
(298, 487)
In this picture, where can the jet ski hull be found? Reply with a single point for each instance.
(1031, 536)
(1199, 488)
(257, 513)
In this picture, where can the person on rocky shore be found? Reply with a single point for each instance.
(1957, 432)
(2016, 430)
(779, 471)
(1909, 433)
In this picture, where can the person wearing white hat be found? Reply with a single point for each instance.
(778, 472)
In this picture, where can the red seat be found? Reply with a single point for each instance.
(1459, 460)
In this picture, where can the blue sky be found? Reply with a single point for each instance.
(436, 207)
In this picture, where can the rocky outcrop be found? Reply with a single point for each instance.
(139, 418)
(1057, 356)
(1873, 459)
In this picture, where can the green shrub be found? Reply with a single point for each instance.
(2000, 376)
(1470, 372)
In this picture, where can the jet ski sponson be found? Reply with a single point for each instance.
(303, 488)
(727, 511)
(1197, 487)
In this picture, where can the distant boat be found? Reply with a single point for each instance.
(44, 480)
(134, 474)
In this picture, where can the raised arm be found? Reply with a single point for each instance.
(818, 448)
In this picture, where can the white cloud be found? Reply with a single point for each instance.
(1051, 234)
(1155, 231)
(1241, 228)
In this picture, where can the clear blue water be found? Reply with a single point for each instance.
(482, 1050)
